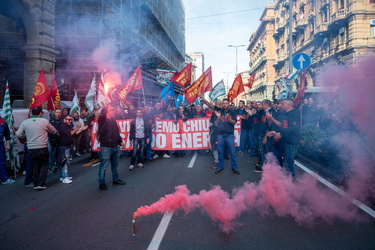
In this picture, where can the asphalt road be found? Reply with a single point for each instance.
(80, 216)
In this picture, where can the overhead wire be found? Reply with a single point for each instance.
(224, 13)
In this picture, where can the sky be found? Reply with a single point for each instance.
(210, 31)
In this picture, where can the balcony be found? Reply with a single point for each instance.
(338, 19)
(321, 29)
(301, 24)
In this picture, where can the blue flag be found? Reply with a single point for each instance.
(179, 99)
(168, 91)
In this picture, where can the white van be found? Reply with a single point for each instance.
(21, 114)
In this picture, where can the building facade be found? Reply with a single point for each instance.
(331, 32)
(80, 38)
(262, 56)
(198, 64)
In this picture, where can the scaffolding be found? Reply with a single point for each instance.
(137, 32)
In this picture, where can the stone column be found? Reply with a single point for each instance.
(36, 59)
(39, 51)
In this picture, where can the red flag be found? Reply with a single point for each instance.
(237, 88)
(54, 100)
(301, 91)
(250, 81)
(202, 85)
(134, 83)
(41, 91)
(183, 77)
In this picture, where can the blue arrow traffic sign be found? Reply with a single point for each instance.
(301, 61)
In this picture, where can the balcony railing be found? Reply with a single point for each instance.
(321, 29)
(338, 18)
(301, 23)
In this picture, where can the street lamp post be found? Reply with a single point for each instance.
(236, 46)
(227, 83)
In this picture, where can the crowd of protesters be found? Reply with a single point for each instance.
(266, 127)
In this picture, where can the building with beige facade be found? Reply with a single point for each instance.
(262, 56)
(198, 64)
(331, 32)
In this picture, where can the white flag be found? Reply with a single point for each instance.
(75, 105)
(90, 97)
(7, 114)
(217, 91)
(102, 96)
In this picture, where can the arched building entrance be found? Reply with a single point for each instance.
(26, 45)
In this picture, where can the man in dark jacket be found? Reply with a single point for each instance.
(4, 136)
(290, 134)
(110, 141)
(65, 140)
(139, 136)
(53, 139)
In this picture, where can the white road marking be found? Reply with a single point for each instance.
(356, 202)
(95, 164)
(192, 161)
(159, 234)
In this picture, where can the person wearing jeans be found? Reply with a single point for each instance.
(66, 139)
(225, 121)
(4, 134)
(222, 140)
(139, 136)
(110, 142)
(36, 129)
(290, 133)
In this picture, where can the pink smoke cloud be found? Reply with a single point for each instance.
(276, 193)
(304, 200)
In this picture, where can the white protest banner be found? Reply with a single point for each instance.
(168, 135)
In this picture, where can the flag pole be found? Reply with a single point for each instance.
(144, 99)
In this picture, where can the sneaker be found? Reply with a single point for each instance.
(78, 154)
(29, 185)
(235, 171)
(70, 178)
(23, 172)
(67, 180)
(118, 182)
(70, 158)
(214, 167)
(166, 156)
(103, 186)
(140, 165)
(44, 187)
(240, 153)
(131, 167)
(9, 181)
(155, 156)
(219, 171)
(258, 170)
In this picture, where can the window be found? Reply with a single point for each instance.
(372, 30)
(342, 35)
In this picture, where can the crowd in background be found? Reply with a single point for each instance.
(259, 118)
